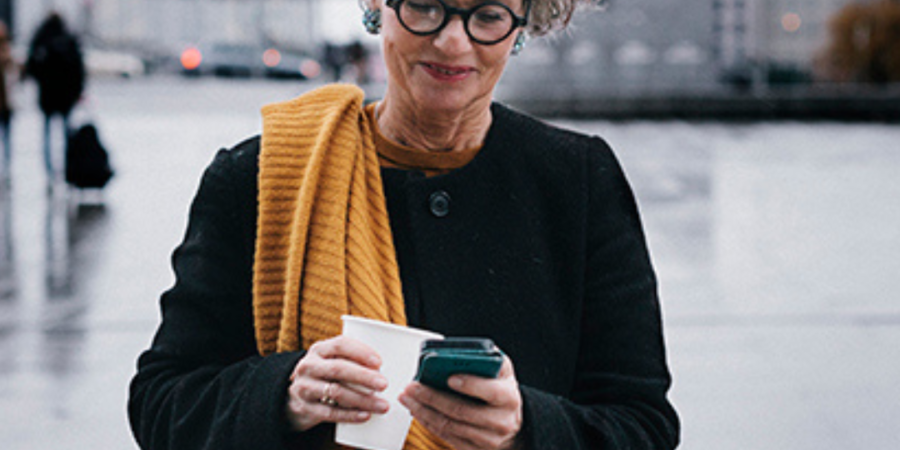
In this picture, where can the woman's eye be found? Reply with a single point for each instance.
(423, 8)
(488, 16)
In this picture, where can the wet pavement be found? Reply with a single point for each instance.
(776, 246)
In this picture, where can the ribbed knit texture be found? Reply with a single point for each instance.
(324, 245)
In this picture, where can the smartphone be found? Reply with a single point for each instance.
(441, 358)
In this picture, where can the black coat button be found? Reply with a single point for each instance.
(439, 204)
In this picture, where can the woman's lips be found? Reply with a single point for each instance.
(444, 72)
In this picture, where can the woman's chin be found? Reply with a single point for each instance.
(444, 100)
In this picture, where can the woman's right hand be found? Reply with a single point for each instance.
(336, 381)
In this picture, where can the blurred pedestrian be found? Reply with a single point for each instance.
(8, 73)
(333, 56)
(505, 227)
(358, 57)
(56, 63)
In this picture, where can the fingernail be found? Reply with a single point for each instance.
(383, 406)
(362, 415)
(375, 361)
(381, 383)
(455, 382)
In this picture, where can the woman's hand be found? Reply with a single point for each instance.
(466, 424)
(335, 382)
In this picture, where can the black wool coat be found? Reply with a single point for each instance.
(536, 244)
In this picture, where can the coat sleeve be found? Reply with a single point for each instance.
(618, 400)
(202, 385)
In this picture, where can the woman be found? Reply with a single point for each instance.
(434, 207)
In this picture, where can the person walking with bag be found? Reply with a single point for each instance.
(56, 63)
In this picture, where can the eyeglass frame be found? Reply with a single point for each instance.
(464, 14)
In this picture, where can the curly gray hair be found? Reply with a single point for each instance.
(545, 15)
(551, 15)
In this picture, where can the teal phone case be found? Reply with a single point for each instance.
(436, 365)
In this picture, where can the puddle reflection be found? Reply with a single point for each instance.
(8, 284)
(58, 268)
(47, 323)
(7, 265)
(72, 230)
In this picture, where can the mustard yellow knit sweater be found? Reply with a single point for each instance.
(324, 245)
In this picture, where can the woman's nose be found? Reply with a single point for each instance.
(453, 38)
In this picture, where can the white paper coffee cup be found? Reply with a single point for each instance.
(398, 347)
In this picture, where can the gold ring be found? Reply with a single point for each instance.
(326, 397)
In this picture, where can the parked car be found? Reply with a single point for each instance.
(231, 60)
(113, 63)
(289, 65)
(238, 60)
(741, 76)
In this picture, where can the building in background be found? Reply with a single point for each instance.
(164, 27)
(770, 42)
(732, 39)
(632, 49)
(633, 45)
(790, 31)
(657, 47)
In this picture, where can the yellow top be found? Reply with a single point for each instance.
(324, 245)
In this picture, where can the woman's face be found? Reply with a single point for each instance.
(446, 71)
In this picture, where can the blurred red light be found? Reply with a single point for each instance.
(791, 22)
(310, 68)
(191, 58)
(271, 57)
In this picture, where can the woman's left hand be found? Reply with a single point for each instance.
(463, 423)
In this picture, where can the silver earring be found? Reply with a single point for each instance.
(372, 20)
(519, 44)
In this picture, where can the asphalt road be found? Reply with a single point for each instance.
(776, 246)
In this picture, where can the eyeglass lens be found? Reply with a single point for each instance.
(487, 22)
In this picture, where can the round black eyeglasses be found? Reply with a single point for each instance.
(487, 24)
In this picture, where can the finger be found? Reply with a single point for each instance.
(336, 414)
(506, 370)
(450, 405)
(501, 391)
(327, 393)
(460, 436)
(347, 348)
(304, 414)
(336, 369)
(495, 421)
(335, 394)
(349, 373)
(497, 393)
